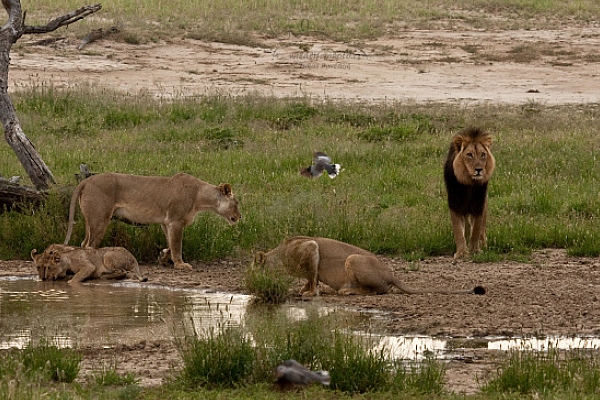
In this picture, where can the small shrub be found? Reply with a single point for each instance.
(354, 368)
(426, 377)
(531, 372)
(221, 359)
(268, 286)
(113, 378)
(60, 365)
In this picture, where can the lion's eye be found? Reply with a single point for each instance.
(470, 155)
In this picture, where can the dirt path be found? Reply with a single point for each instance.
(552, 67)
(554, 295)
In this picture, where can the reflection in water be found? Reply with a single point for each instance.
(541, 344)
(129, 312)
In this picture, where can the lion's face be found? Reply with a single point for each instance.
(55, 269)
(266, 261)
(228, 205)
(45, 264)
(40, 263)
(474, 162)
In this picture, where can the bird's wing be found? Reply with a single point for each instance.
(320, 157)
(291, 375)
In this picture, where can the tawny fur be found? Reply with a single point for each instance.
(172, 202)
(467, 171)
(104, 263)
(343, 267)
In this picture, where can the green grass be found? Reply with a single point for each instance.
(255, 22)
(551, 371)
(235, 356)
(269, 287)
(389, 198)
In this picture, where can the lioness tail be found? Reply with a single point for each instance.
(74, 198)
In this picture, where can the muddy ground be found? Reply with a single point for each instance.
(552, 295)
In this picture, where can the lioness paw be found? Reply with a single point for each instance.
(183, 265)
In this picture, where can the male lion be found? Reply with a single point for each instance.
(104, 263)
(467, 172)
(172, 202)
(345, 268)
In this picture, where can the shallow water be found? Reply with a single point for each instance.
(129, 312)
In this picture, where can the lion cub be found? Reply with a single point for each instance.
(104, 263)
(345, 268)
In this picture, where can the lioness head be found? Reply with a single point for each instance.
(261, 260)
(473, 161)
(40, 265)
(46, 264)
(228, 205)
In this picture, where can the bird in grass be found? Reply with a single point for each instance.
(293, 375)
(321, 163)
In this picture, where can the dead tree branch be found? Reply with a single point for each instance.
(64, 20)
(10, 32)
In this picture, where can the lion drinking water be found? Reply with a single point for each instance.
(345, 268)
(172, 202)
(104, 263)
(467, 172)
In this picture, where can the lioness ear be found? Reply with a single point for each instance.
(226, 189)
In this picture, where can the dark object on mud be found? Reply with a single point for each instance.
(321, 163)
(292, 375)
(479, 290)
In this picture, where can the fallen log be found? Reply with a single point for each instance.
(13, 195)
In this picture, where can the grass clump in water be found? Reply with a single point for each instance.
(540, 373)
(271, 287)
(230, 358)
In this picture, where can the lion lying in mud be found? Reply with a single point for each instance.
(467, 172)
(345, 268)
(106, 263)
(172, 202)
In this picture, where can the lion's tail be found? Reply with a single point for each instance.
(74, 199)
(406, 290)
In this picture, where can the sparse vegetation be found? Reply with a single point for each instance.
(251, 22)
(389, 199)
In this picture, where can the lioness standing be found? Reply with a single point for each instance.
(467, 172)
(172, 202)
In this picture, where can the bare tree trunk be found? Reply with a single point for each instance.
(14, 28)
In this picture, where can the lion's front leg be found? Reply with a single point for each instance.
(458, 229)
(478, 235)
(307, 256)
(174, 232)
(86, 270)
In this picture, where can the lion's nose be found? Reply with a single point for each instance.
(478, 170)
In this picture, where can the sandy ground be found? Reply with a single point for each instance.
(553, 295)
(553, 67)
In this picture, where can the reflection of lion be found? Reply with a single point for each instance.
(467, 171)
(172, 202)
(345, 268)
(104, 263)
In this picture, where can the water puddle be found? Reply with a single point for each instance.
(129, 312)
